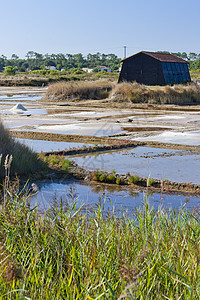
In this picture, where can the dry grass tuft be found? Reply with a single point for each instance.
(24, 160)
(79, 90)
(138, 93)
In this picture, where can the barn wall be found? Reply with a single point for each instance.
(142, 69)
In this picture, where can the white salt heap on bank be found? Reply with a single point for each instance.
(18, 108)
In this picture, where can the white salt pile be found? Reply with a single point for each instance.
(18, 108)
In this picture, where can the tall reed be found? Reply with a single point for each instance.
(71, 253)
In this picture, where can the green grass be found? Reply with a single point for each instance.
(134, 179)
(58, 162)
(67, 253)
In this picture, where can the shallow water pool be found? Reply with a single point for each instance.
(47, 146)
(120, 198)
(175, 165)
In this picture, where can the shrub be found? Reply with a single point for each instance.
(118, 180)
(58, 162)
(9, 70)
(102, 177)
(111, 178)
(150, 181)
(95, 176)
(134, 179)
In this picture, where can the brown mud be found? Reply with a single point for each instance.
(47, 136)
(139, 129)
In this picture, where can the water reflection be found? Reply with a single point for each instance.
(111, 196)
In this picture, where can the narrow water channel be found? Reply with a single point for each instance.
(113, 197)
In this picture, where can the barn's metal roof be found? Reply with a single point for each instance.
(160, 56)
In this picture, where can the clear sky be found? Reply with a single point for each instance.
(105, 26)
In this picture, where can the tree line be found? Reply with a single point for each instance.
(193, 58)
(36, 61)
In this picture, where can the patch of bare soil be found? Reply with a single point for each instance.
(138, 129)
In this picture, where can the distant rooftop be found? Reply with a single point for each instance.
(161, 57)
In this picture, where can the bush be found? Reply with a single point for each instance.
(134, 179)
(102, 177)
(9, 71)
(150, 181)
(57, 162)
(95, 176)
(118, 180)
(111, 178)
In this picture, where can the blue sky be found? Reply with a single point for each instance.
(75, 26)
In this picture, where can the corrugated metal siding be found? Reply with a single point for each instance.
(148, 70)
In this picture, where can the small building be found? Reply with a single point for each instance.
(154, 68)
(104, 68)
(88, 70)
(50, 68)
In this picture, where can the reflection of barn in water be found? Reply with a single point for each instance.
(154, 68)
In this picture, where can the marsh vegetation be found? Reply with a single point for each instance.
(79, 252)
(124, 92)
(71, 253)
(24, 161)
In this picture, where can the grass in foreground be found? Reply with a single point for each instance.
(66, 253)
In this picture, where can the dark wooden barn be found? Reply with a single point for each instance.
(154, 68)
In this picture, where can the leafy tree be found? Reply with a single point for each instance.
(192, 56)
(184, 55)
(14, 57)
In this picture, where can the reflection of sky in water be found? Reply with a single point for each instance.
(34, 111)
(14, 102)
(182, 166)
(47, 146)
(90, 195)
(184, 138)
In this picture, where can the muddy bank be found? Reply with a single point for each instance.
(103, 177)
(144, 129)
(58, 137)
(93, 149)
(144, 183)
(109, 103)
(47, 136)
